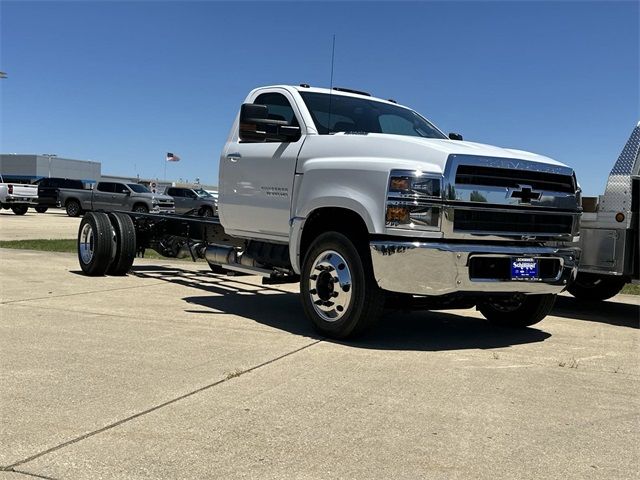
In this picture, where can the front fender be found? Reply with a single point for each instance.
(362, 192)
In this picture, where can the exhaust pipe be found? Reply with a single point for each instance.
(220, 255)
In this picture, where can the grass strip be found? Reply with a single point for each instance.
(631, 289)
(63, 245)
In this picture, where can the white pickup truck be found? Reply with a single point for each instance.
(18, 196)
(367, 204)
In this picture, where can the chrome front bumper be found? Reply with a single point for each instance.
(432, 268)
(162, 209)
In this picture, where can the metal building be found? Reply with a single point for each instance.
(24, 167)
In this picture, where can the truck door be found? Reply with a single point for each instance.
(121, 198)
(101, 198)
(256, 179)
(178, 198)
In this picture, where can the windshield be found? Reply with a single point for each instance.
(363, 115)
(138, 188)
(202, 193)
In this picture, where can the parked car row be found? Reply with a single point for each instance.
(72, 195)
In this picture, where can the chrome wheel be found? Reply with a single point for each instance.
(330, 286)
(86, 244)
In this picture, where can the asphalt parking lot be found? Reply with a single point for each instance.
(174, 372)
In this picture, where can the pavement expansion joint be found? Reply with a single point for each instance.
(11, 468)
(8, 302)
(28, 474)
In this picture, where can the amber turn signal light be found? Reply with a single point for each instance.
(398, 215)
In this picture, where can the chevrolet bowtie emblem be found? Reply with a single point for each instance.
(525, 194)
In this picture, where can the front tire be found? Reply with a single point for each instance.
(125, 254)
(206, 212)
(339, 293)
(517, 311)
(95, 244)
(591, 287)
(19, 209)
(73, 208)
(40, 209)
(141, 209)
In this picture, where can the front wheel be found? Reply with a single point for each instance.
(339, 293)
(141, 209)
(206, 212)
(41, 209)
(591, 287)
(19, 209)
(517, 310)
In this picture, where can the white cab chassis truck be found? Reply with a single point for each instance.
(367, 204)
(609, 232)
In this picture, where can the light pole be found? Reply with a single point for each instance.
(49, 156)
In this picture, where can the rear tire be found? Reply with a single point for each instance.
(40, 209)
(95, 244)
(339, 292)
(125, 233)
(592, 287)
(73, 208)
(517, 311)
(19, 209)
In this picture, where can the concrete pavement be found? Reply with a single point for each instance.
(54, 224)
(173, 372)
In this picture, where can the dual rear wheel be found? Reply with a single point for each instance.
(106, 243)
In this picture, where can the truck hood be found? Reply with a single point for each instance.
(380, 151)
(458, 147)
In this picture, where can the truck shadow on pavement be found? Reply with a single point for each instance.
(612, 313)
(276, 307)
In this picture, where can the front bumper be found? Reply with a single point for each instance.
(434, 268)
(162, 209)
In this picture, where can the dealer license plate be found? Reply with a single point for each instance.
(524, 268)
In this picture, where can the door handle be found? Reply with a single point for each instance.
(234, 157)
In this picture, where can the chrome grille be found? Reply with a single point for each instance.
(509, 198)
(504, 177)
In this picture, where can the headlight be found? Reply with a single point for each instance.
(414, 200)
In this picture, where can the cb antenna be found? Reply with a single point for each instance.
(333, 54)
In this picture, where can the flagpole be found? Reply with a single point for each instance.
(165, 171)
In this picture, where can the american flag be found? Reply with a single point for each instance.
(171, 157)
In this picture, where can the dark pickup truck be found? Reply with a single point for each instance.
(49, 189)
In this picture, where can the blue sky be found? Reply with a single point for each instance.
(125, 82)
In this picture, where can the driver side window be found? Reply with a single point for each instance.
(279, 107)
